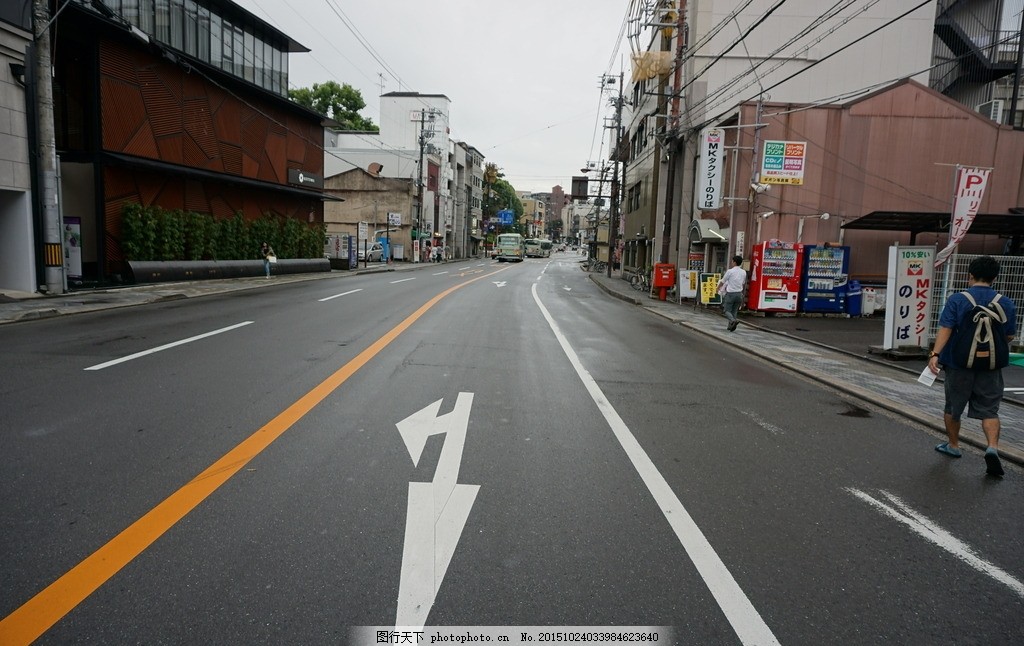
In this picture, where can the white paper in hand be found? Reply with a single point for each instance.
(927, 376)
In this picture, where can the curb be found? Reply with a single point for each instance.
(967, 436)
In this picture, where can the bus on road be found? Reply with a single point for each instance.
(536, 248)
(510, 247)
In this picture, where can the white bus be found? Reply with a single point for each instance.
(536, 248)
(509, 247)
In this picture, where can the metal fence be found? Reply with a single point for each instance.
(1010, 283)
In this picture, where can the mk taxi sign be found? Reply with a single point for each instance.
(709, 172)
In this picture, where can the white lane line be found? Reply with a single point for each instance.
(401, 281)
(1014, 390)
(931, 531)
(768, 426)
(741, 614)
(351, 291)
(101, 366)
(441, 273)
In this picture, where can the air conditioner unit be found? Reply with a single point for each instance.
(992, 109)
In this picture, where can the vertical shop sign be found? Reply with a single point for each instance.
(709, 173)
(908, 304)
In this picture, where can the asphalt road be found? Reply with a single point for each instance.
(469, 445)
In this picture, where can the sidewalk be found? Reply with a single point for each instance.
(850, 369)
(830, 350)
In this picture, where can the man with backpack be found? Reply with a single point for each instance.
(972, 345)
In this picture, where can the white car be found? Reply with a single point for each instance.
(373, 252)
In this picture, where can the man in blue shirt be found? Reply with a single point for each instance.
(981, 389)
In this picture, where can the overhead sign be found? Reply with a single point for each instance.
(709, 171)
(783, 162)
(505, 216)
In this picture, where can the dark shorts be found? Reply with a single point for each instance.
(982, 389)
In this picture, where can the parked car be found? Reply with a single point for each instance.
(373, 252)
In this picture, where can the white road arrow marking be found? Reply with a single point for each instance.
(499, 283)
(567, 288)
(437, 511)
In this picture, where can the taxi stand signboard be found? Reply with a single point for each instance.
(908, 297)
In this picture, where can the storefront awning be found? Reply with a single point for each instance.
(1010, 224)
(705, 231)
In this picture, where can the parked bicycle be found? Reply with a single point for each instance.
(641, 281)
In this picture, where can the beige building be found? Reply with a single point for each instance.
(368, 198)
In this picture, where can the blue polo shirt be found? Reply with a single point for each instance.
(958, 305)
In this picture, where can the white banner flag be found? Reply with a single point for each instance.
(970, 188)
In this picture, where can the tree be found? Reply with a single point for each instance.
(341, 103)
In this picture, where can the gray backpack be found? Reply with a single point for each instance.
(979, 342)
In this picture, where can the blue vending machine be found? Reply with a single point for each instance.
(825, 277)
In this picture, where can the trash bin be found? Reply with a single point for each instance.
(870, 302)
(854, 304)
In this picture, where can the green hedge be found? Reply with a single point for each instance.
(152, 233)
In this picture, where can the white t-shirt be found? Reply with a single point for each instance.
(734, 279)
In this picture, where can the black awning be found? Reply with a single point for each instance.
(1011, 224)
(130, 161)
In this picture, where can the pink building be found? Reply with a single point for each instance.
(882, 167)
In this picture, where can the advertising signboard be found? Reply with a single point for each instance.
(394, 219)
(908, 294)
(783, 162)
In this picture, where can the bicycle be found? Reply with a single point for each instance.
(641, 281)
(593, 264)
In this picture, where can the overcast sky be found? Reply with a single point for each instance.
(523, 77)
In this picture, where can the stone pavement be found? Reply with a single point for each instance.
(892, 387)
(829, 350)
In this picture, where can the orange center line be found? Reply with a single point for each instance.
(41, 612)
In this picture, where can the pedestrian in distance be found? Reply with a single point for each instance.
(268, 257)
(731, 289)
(972, 345)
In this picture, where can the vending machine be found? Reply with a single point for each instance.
(775, 268)
(826, 274)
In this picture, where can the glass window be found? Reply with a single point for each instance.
(191, 25)
(130, 12)
(216, 41)
(277, 87)
(268, 64)
(250, 55)
(238, 51)
(163, 21)
(257, 61)
(177, 24)
(203, 34)
(147, 16)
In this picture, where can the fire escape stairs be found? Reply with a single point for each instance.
(975, 65)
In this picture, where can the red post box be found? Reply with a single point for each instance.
(664, 277)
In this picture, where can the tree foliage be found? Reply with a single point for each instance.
(341, 103)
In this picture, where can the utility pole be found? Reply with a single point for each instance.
(46, 152)
(419, 198)
(613, 220)
(1016, 74)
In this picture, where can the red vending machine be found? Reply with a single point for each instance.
(775, 278)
